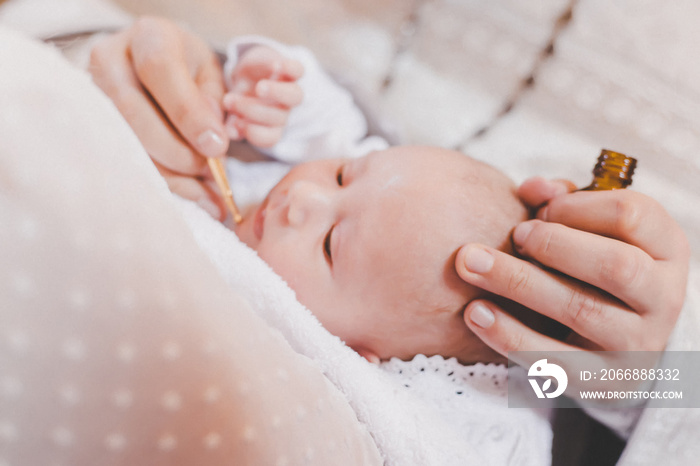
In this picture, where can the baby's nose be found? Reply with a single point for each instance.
(307, 202)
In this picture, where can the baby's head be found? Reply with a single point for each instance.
(369, 245)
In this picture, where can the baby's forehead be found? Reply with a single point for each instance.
(429, 162)
(439, 201)
(443, 180)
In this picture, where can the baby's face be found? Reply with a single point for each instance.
(369, 244)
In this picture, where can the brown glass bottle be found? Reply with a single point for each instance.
(613, 171)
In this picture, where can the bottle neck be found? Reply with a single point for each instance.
(613, 171)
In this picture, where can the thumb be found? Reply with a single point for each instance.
(211, 87)
(210, 81)
(537, 191)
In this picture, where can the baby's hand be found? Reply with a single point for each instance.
(263, 92)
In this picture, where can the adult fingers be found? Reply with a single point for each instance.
(194, 189)
(622, 214)
(589, 312)
(521, 344)
(163, 66)
(208, 73)
(537, 191)
(621, 269)
(112, 70)
(504, 333)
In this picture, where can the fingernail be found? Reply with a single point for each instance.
(478, 260)
(211, 144)
(209, 207)
(481, 316)
(521, 232)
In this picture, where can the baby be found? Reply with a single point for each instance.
(369, 243)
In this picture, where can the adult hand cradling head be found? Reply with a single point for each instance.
(615, 272)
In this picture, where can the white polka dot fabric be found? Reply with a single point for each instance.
(119, 343)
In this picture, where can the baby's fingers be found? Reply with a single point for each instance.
(263, 62)
(254, 111)
(276, 93)
(263, 136)
(290, 70)
(281, 93)
(257, 135)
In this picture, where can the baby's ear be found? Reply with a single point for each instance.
(369, 355)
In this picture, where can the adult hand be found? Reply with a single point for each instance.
(614, 268)
(168, 85)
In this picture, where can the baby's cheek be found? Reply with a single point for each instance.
(285, 264)
(313, 287)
